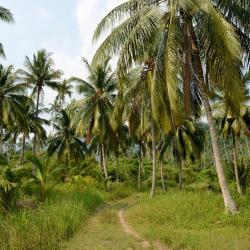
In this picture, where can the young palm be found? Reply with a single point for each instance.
(40, 73)
(94, 112)
(185, 31)
(5, 16)
(12, 99)
(43, 172)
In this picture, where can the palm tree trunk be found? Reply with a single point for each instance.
(186, 75)
(1, 129)
(152, 193)
(204, 155)
(1, 138)
(23, 148)
(229, 203)
(139, 174)
(181, 173)
(162, 177)
(100, 161)
(142, 157)
(104, 162)
(37, 109)
(225, 149)
(117, 168)
(236, 172)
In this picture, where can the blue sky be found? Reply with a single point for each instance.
(63, 27)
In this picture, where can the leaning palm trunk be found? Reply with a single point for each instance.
(36, 125)
(1, 138)
(236, 172)
(139, 174)
(152, 193)
(104, 162)
(228, 200)
(117, 168)
(225, 149)
(22, 149)
(101, 162)
(162, 177)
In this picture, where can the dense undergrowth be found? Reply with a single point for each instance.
(45, 226)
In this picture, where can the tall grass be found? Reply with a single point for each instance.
(192, 220)
(59, 219)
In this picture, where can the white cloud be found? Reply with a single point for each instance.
(43, 13)
(89, 14)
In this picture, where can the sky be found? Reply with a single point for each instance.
(63, 27)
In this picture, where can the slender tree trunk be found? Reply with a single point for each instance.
(142, 158)
(23, 148)
(36, 125)
(204, 154)
(101, 161)
(139, 174)
(225, 149)
(152, 193)
(104, 162)
(117, 168)
(67, 162)
(181, 173)
(186, 74)
(1, 138)
(162, 177)
(229, 203)
(241, 150)
(236, 172)
(1, 128)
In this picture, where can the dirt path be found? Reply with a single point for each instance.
(107, 229)
(130, 231)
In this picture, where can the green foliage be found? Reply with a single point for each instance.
(43, 172)
(117, 191)
(59, 219)
(86, 167)
(9, 188)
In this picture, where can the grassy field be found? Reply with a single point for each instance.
(103, 231)
(59, 219)
(192, 220)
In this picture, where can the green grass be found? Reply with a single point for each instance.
(192, 220)
(45, 228)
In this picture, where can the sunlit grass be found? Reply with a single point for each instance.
(192, 220)
(59, 219)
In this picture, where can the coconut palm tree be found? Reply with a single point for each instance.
(64, 89)
(29, 125)
(12, 99)
(185, 30)
(233, 123)
(94, 112)
(7, 17)
(40, 73)
(64, 142)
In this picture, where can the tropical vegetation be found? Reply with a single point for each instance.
(162, 117)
